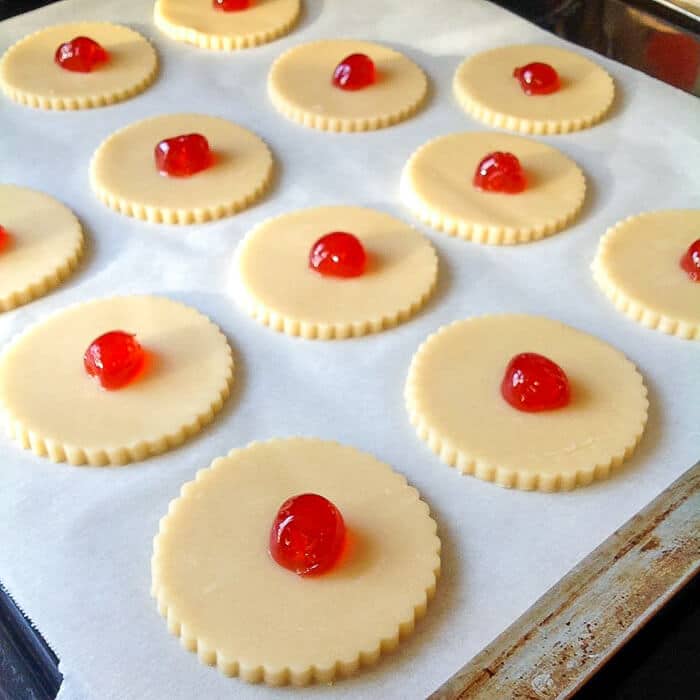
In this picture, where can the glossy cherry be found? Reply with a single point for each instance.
(690, 261)
(184, 155)
(307, 535)
(231, 5)
(81, 55)
(500, 172)
(537, 78)
(338, 254)
(4, 238)
(354, 72)
(114, 358)
(533, 382)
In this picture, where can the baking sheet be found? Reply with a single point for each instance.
(76, 542)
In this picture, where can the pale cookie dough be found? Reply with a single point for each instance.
(638, 268)
(485, 87)
(46, 242)
(300, 86)
(52, 406)
(229, 601)
(124, 176)
(29, 75)
(436, 184)
(274, 283)
(198, 22)
(453, 396)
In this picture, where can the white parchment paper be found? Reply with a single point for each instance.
(75, 543)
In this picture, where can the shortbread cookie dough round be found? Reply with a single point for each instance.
(638, 268)
(436, 184)
(53, 407)
(300, 86)
(43, 246)
(29, 75)
(485, 87)
(274, 283)
(453, 396)
(198, 22)
(224, 595)
(124, 176)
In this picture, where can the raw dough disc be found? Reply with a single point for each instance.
(436, 185)
(124, 176)
(198, 22)
(300, 87)
(275, 284)
(51, 405)
(454, 400)
(46, 242)
(485, 87)
(29, 75)
(227, 599)
(637, 266)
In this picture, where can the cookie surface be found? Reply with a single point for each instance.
(454, 400)
(30, 76)
(436, 184)
(485, 87)
(273, 281)
(224, 595)
(124, 176)
(198, 22)
(53, 407)
(637, 267)
(44, 246)
(300, 86)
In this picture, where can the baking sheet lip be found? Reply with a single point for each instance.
(613, 549)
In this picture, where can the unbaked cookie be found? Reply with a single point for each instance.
(453, 396)
(485, 87)
(274, 283)
(638, 267)
(30, 76)
(229, 601)
(53, 407)
(199, 22)
(300, 86)
(40, 245)
(436, 184)
(123, 173)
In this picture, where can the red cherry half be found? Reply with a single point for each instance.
(231, 5)
(537, 78)
(533, 382)
(307, 535)
(690, 261)
(338, 254)
(115, 358)
(5, 238)
(81, 55)
(181, 156)
(500, 172)
(354, 72)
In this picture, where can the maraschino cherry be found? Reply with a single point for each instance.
(81, 55)
(182, 156)
(4, 238)
(231, 5)
(500, 172)
(537, 78)
(307, 535)
(114, 358)
(338, 254)
(354, 72)
(690, 261)
(533, 383)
